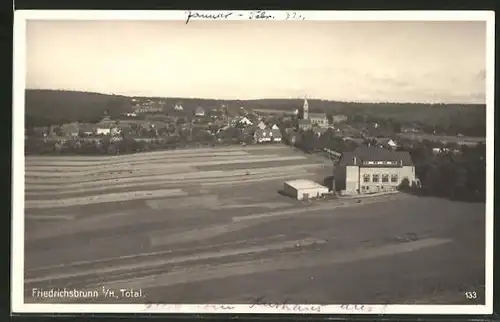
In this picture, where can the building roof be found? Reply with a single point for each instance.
(261, 125)
(304, 122)
(317, 116)
(304, 184)
(375, 154)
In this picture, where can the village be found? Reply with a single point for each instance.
(152, 125)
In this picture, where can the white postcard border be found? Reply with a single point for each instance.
(19, 81)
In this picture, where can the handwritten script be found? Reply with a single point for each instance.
(251, 15)
(285, 306)
(262, 303)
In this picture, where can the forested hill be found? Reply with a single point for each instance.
(50, 107)
(46, 107)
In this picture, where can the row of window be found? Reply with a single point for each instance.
(364, 188)
(376, 178)
(381, 162)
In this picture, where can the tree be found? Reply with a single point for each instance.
(404, 185)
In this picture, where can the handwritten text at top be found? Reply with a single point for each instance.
(251, 15)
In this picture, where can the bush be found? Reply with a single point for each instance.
(404, 185)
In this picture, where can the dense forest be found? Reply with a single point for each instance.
(454, 176)
(48, 107)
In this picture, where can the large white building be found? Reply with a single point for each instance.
(372, 169)
(304, 189)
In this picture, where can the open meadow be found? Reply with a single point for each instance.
(209, 226)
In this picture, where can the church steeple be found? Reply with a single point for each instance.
(305, 109)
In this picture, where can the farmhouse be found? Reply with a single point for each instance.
(304, 189)
(372, 169)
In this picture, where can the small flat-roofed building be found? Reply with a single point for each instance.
(304, 189)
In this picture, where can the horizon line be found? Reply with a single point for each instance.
(253, 99)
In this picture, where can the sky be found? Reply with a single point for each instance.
(420, 62)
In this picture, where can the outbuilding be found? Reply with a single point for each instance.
(304, 189)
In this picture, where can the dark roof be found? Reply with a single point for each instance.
(375, 154)
(305, 122)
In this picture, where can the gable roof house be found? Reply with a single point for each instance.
(276, 134)
(372, 169)
(262, 135)
(244, 121)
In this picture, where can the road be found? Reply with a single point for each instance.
(392, 250)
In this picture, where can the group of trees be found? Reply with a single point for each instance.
(458, 176)
(308, 141)
(126, 144)
(47, 107)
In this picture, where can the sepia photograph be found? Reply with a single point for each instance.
(253, 162)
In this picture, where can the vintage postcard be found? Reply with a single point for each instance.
(253, 162)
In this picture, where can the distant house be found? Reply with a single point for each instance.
(320, 120)
(276, 135)
(262, 135)
(132, 114)
(200, 111)
(244, 121)
(114, 131)
(304, 125)
(178, 107)
(445, 150)
(274, 127)
(103, 131)
(386, 143)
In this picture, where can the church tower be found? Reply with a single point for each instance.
(305, 110)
